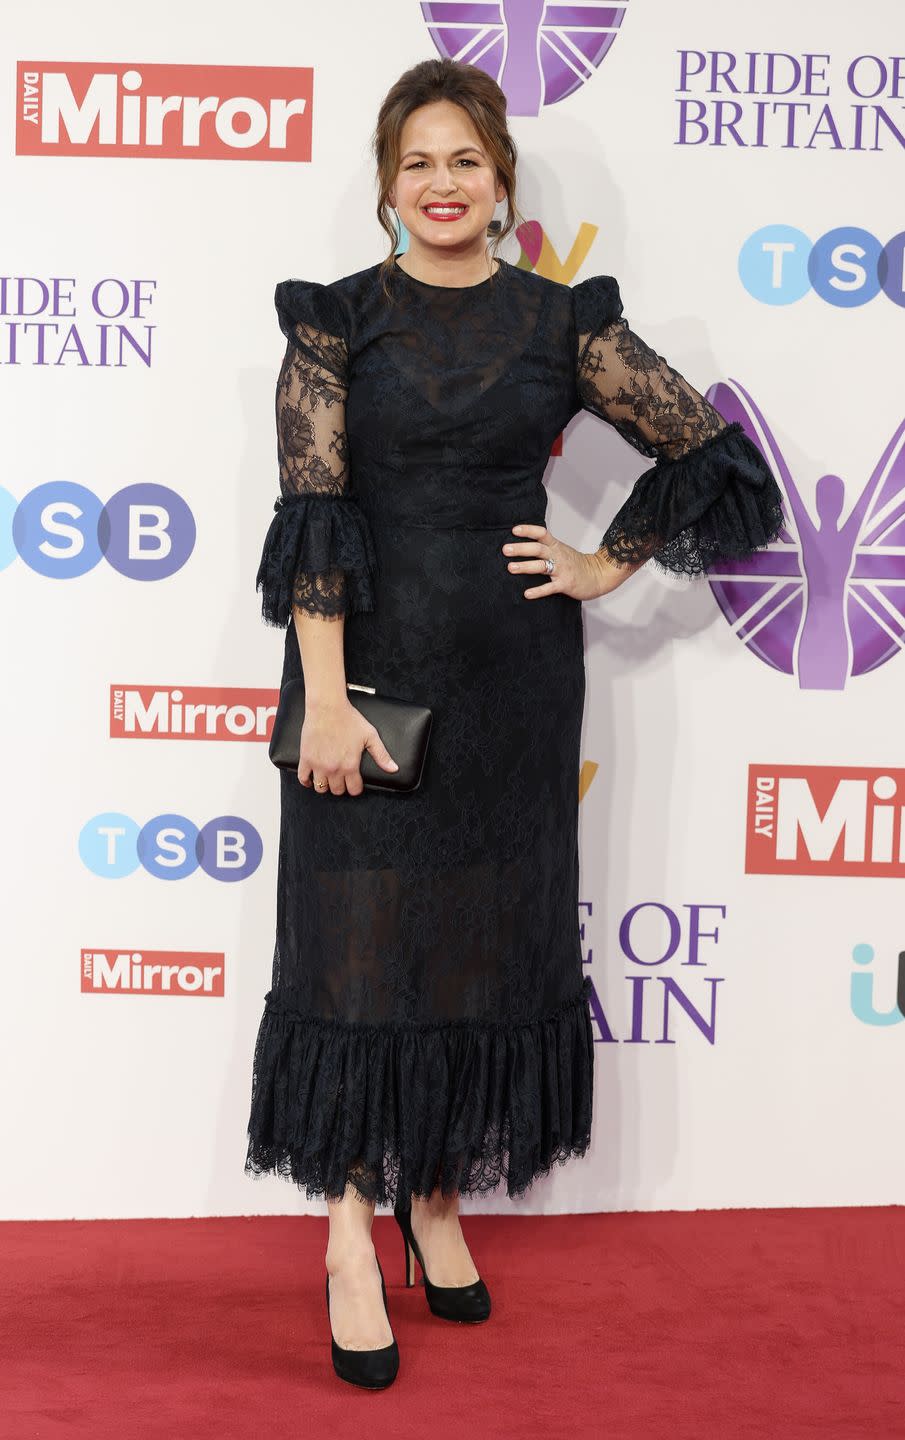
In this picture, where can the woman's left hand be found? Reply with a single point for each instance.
(575, 573)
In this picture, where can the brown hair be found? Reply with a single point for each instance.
(485, 104)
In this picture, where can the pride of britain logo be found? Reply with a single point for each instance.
(826, 601)
(538, 53)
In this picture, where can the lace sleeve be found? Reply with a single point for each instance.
(710, 494)
(318, 554)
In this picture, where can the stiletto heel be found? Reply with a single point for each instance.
(470, 1303)
(409, 1261)
(373, 1369)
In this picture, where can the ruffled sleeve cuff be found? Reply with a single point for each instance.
(318, 554)
(717, 501)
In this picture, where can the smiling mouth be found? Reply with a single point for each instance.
(444, 212)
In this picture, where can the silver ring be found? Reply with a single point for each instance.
(549, 563)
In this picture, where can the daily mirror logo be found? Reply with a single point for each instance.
(825, 820)
(826, 601)
(538, 53)
(191, 712)
(153, 972)
(166, 112)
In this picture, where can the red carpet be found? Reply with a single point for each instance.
(727, 1323)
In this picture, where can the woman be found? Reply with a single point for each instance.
(427, 1032)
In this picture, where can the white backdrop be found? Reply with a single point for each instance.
(119, 1104)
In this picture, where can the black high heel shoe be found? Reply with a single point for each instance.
(374, 1369)
(450, 1302)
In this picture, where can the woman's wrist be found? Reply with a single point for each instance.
(320, 701)
(608, 575)
(321, 648)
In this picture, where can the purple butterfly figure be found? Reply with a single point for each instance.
(827, 599)
(538, 53)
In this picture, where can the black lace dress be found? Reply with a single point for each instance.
(427, 1022)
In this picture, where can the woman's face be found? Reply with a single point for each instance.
(445, 188)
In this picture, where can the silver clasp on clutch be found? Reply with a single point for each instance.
(369, 688)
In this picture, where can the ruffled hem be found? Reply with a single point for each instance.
(719, 501)
(313, 535)
(405, 1109)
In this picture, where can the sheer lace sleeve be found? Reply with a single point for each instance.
(710, 494)
(318, 554)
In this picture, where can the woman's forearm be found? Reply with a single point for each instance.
(323, 660)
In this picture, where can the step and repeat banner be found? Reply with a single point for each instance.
(743, 778)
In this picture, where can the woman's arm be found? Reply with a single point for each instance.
(710, 494)
(318, 561)
(312, 452)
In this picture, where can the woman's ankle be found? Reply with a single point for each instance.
(349, 1242)
(349, 1252)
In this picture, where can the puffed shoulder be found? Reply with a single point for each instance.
(314, 323)
(309, 303)
(596, 303)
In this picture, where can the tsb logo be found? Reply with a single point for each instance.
(62, 530)
(820, 820)
(170, 847)
(168, 112)
(846, 267)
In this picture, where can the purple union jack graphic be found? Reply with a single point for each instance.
(827, 600)
(538, 53)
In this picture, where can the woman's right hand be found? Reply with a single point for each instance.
(332, 740)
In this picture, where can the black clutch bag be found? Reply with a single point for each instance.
(403, 726)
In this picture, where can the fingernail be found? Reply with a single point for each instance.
(395, 766)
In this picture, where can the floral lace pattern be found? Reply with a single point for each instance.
(432, 1130)
(711, 494)
(317, 557)
(427, 1022)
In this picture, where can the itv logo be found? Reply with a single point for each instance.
(863, 1004)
